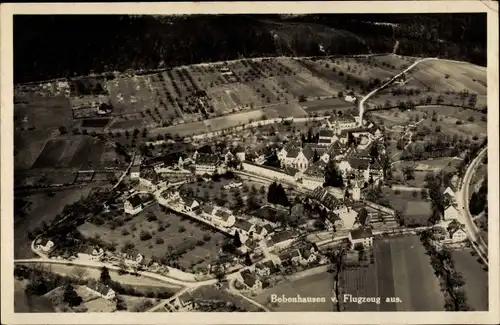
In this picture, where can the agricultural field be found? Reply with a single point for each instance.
(414, 209)
(326, 105)
(404, 271)
(476, 279)
(79, 152)
(317, 285)
(438, 82)
(41, 209)
(361, 282)
(169, 232)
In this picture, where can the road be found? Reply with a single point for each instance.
(235, 291)
(362, 101)
(462, 199)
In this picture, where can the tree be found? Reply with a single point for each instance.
(71, 297)
(79, 272)
(105, 277)
(120, 303)
(385, 163)
(248, 259)
(237, 239)
(409, 173)
(333, 176)
(63, 129)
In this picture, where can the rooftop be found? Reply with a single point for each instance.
(361, 233)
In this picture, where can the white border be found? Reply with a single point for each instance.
(6, 68)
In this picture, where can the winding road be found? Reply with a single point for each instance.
(462, 199)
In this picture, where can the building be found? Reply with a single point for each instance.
(359, 166)
(290, 257)
(262, 270)
(133, 258)
(341, 123)
(227, 155)
(297, 159)
(327, 137)
(182, 303)
(283, 239)
(244, 228)
(449, 192)
(308, 255)
(47, 247)
(206, 163)
(356, 191)
(456, 232)
(135, 204)
(101, 290)
(224, 218)
(250, 281)
(451, 213)
(240, 153)
(190, 204)
(333, 221)
(92, 254)
(361, 237)
(347, 214)
(135, 172)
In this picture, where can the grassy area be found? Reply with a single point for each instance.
(414, 209)
(169, 232)
(476, 279)
(43, 209)
(318, 285)
(34, 304)
(404, 271)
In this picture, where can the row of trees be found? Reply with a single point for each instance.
(276, 195)
(451, 280)
(479, 200)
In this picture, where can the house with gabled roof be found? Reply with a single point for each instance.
(339, 123)
(362, 236)
(189, 203)
(283, 239)
(92, 253)
(290, 257)
(244, 227)
(250, 281)
(206, 163)
(265, 268)
(183, 303)
(451, 212)
(136, 203)
(224, 217)
(100, 289)
(135, 172)
(239, 151)
(456, 232)
(450, 192)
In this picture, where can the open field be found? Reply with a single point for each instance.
(43, 209)
(35, 304)
(317, 106)
(476, 279)
(318, 285)
(180, 234)
(80, 152)
(211, 293)
(414, 209)
(404, 271)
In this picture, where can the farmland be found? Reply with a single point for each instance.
(414, 209)
(166, 233)
(42, 209)
(404, 271)
(317, 285)
(476, 279)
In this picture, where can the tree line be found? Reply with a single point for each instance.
(41, 43)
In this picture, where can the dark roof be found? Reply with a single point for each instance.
(291, 171)
(205, 149)
(329, 201)
(270, 265)
(308, 152)
(99, 287)
(336, 148)
(269, 228)
(207, 159)
(248, 278)
(135, 169)
(251, 243)
(319, 192)
(258, 229)
(324, 141)
(361, 233)
(282, 236)
(326, 133)
(207, 208)
(288, 255)
(359, 163)
(297, 210)
(243, 224)
(189, 201)
(135, 200)
(239, 148)
(224, 215)
(293, 153)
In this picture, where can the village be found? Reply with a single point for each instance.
(291, 231)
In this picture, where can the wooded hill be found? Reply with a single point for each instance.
(66, 45)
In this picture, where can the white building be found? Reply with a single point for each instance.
(47, 247)
(133, 205)
(135, 172)
(240, 153)
(361, 236)
(451, 213)
(101, 290)
(92, 254)
(250, 281)
(206, 163)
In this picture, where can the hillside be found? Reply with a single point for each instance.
(63, 46)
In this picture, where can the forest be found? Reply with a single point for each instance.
(57, 46)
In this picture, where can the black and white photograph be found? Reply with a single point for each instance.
(250, 162)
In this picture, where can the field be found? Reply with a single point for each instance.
(414, 209)
(211, 293)
(178, 234)
(44, 115)
(476, 279)
(404, 271)
(35, 304)
(79, 152)
(43, 209)
(318, 285)
(435, 79)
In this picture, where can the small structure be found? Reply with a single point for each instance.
(135, 172)
(92, 253)
(134, 204)
(206, 163)
(283, 239)
(250, 281)
(456, 233)
(449, 192)
(451, 212)
(361, 237)
(183, 303)
(101, 290)
(240, 153)
(190, 204)
(47, 247)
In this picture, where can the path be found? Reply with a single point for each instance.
(235, 291)
(362, 101)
